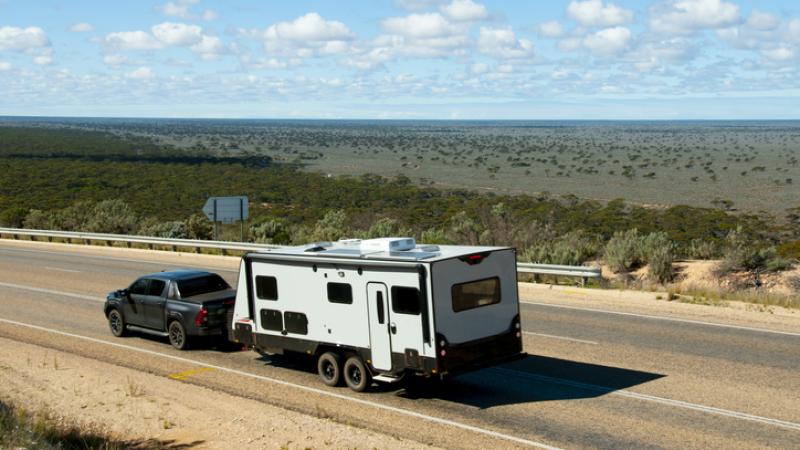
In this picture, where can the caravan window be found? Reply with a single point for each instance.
(405, 300)
(340, 293)
(476, 294)
(266, 288)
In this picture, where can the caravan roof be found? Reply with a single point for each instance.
(387, 249)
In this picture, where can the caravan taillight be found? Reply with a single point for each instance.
(475, 258)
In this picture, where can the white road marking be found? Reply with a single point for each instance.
(652, 398)
(110, 258)
(563, 338)
(52, 292)
(394, 409)
(669, 319)
(62, 270)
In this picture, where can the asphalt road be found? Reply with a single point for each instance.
(592, 380)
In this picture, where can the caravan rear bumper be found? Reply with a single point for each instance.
(480, 353)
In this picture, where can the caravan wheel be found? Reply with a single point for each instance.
(356, 374)
(329, 368)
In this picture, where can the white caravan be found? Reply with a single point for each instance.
(381, 308)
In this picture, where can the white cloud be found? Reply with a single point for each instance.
(779, 54)
(183, 10)
(479, 68)
(209, 15)
(81, 27)
(141, 73)
(763, 21)
(43, 60)
(132, 40)
(309, 29)
(502, 43)
(465, 11)
(179, 34)
(609, 41)
(209, 47)
(690, 16)
(23, 39)
(4, 65)
(429, 25)
(569, 44)
(593, 13)
(551, 29)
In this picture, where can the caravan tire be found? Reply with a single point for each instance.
(356, 374)
(329, 368)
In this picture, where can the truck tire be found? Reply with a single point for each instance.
(116, 323)
(177, 335)
(356, 374)
(329, 368)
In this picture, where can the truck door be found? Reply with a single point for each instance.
(406, 324)
(380, 339)
(134, 306)
(154, 304)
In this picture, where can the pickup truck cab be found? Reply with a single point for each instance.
(178, 304)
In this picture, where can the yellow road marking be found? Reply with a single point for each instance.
(183, 376)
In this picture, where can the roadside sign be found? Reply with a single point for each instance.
(226, 209)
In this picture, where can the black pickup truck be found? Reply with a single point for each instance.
(178, 304)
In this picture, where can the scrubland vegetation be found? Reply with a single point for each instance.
(137, 177)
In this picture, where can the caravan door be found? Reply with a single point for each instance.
(379, 338)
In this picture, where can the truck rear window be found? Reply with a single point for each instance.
(201, 285)
(475, 294)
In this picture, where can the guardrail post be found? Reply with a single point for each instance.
(129, 244)
(197, 249)
(49, 238)
(87, 241)
(174, 248)
(15, 236)
(151, 246)
(584, 280)
(108, 243)
(225, 252)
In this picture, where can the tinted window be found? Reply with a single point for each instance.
(476, 294)
(405, 300)
(201, 285)
(266, 288)
(156, 287)
(340, 293)
(295, 322)
(139, 287)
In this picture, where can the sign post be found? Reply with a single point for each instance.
(227, 210)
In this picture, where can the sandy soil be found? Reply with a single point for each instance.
(134, 405)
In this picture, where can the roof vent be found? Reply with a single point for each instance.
(388, 245)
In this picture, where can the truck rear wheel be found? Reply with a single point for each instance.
(329, 368)
(356, 374)
(177, 335)
(116, 323)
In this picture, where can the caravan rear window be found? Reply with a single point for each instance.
(476, 294)
(340, 293)
(405, 300)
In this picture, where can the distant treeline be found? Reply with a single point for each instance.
(46, 173)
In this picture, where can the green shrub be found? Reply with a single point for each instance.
(622, 251)
(111, 216)
(274, 231)
(572, 249)
(703, 249)
(778, 264)
(386, 227)
(199, 227)
(13, 217)
(172, 230)
(660, 263)
(434, 236)
(789, 250)
(39, 220)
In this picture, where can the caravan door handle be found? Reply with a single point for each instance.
(393, 328)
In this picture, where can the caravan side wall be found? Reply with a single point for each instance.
(460, 322)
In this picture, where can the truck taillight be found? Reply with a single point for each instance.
(201, 317)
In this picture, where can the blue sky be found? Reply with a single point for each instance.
(402, 59)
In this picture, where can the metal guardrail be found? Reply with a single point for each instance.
(150, 241)
(225, 246)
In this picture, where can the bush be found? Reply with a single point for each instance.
(789, 250)
(434, 236)
(660, 263)
(13, 217)
(572, 249)
(39, 220)
(332, 227)
(112, 216)
(171, 230)
(271, 232)
(778, 264)
(199, 227)
(703, 249)
(622, 251)
(386, 227)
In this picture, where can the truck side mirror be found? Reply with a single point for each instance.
(124, 293)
